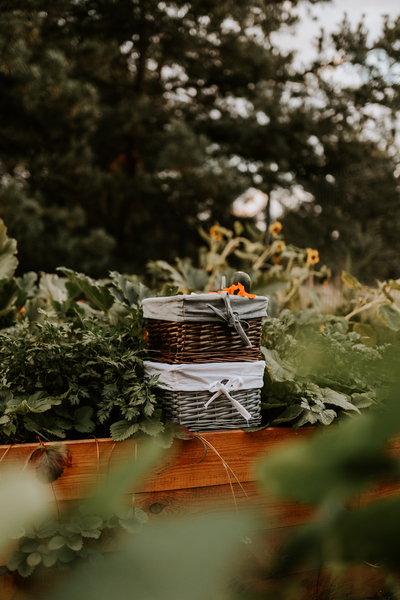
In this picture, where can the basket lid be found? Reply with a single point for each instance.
(197, 307)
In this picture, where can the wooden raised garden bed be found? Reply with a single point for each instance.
(182, 483)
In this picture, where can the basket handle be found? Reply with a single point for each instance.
(219, 388)
(232, 318)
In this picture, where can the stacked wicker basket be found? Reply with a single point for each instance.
(205, 350)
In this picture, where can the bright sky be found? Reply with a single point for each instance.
(329, 16)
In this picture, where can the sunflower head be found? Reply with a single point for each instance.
(215, 233)
(312, 257)
(276, 228)
(279, 247)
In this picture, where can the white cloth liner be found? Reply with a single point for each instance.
(193, 308)
(199, 377)
(217, 378)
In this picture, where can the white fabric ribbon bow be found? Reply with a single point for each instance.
(235, 383)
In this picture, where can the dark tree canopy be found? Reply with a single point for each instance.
(126, 123)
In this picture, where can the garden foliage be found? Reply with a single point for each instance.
(72, 348)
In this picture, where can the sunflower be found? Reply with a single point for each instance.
(279, 247)
(215, 233)
(276, 228)
(312, 257)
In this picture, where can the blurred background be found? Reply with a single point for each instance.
(126, 124)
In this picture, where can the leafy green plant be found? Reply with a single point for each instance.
(63, 545)
(317, 367)
(71, 363)
(75, 376)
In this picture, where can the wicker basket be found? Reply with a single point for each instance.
(187, 408)
(203, 328)
(210, 396)
(175, 342)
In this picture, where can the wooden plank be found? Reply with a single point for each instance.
(180, 468)
(191, 501)
(181, 485)
(360, 582)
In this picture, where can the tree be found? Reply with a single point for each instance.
(355, 218)
(127, 123)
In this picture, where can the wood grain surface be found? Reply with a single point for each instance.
(184, 482)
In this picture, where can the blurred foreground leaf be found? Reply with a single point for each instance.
(188, 559)
(335, 462)
(21, 498)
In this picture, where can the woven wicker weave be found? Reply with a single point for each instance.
(204, 342)
(187, 408)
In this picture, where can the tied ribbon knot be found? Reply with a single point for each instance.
(235, 383)
(232, 318)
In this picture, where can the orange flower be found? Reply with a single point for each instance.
(216, 233)
(276, 228)
(21, 310)
(145, 333)
(279, 247)
(312, 257)
(239, 289)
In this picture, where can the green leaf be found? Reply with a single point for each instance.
(15, 559)
(173, 431)
(8, 249)
(27, 283)
(24, 569)
(37, 403)
(75, 542)
(363, 400)
(65, 554)
(350, 281)
(47, 529)
(49, 559)
(369, 337)
(277, 369)
(390, 316)
(82, 419)
(169, 290)
(196, 279)
(131, 293)
(307, 416)
(122, 430)
(98, 294)
(133, 521)
(57, 542)
(329, 396)
(87, 526)
(152, 428)
(34, 559)
(290, 413)
(327, 416)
